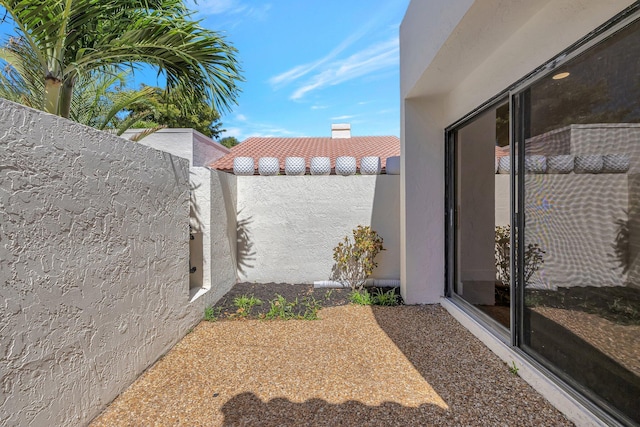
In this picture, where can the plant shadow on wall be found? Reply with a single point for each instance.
(195, 227)
(245, 252)
(621, 242)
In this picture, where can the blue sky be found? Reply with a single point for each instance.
(308, 64)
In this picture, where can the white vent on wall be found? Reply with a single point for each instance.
(340, 130)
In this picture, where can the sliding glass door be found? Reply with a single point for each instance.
(581, 220)
(480, 212)
(543, 218)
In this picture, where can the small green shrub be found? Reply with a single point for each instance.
(211, 313)
(379, 297)
(281, 308)
(361, 297)
(244, 304)
(513, 368)
(311, 308)
(327, 294)
(355, 259)
(624, 308)
(389, 298)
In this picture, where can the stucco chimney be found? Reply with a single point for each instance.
(340, 130)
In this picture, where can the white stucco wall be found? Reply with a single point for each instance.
(213, 221)
(453, 57)
(189, 144)
(93, 265)
(289, 225)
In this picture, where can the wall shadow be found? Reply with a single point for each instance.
(228, 188)
(385, 220)
(248, 409)
(474, 382)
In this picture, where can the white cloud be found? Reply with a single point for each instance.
(345, 117)
(372, 59)
(301, 70)
(319, 107)
(230, 7)
(249, 129)
(233, 131)
(215, 7)
(241, 118)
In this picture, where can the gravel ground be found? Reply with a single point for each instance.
(619, 342)
(356, 366)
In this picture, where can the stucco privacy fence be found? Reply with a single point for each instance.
(94, 260)
(300, 218)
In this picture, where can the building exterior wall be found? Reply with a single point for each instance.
(287, 226)
(93, 265)
(213, 224)
(189, 144)
(443, 77)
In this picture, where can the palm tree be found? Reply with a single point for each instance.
(98, 100)
(70, 40)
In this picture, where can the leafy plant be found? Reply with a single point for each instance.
(355, 258)
(211, 313)
(624, 308)
(327, 294)
(378, 297)
(361, 297)
(389, 298)
(533, 256)
(281, 308)
(244, 304)
(311, 308)
(513, 368)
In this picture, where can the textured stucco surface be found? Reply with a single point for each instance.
(93, 265)
(189, 144)
(213, 221)
(289, 225)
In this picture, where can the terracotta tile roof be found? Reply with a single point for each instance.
(356, 146)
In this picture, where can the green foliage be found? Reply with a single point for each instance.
(311, 308)
(281, 308)
(355, 258)
(625, 308)
(244, 304)
(175, 110)
(361, 297)
(229, 141)
(389, 298)
(513, 368)
(379, 297)
(62, 42)
(211, 314)
(533, 256)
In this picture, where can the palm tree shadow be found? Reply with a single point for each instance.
(194, 207)
(245, 252)
(248, 409)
